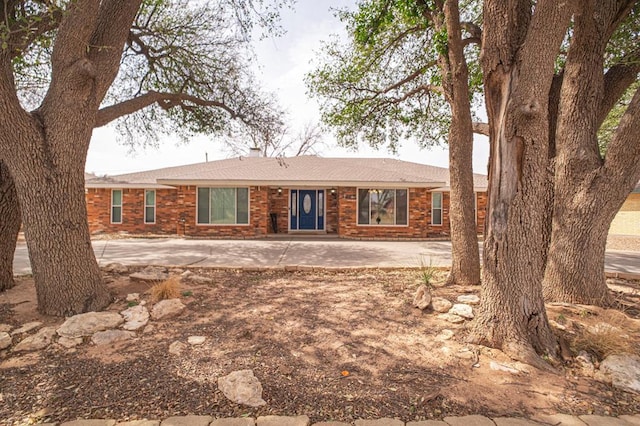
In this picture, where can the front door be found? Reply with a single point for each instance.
(307, 209)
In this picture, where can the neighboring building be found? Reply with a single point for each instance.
(627, 221)
(251, 197)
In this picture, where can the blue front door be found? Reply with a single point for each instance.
(307, 205)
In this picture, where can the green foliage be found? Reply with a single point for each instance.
(384, 84)
(427, 273)
(199, 50)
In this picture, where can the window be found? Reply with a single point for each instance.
(116, 206)
(436, 208)
(382, 207)
(149, 206)
(223, 206)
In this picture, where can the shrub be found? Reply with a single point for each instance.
(168, 289)
(604, 339)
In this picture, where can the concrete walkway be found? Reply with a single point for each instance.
(288, 251)
(558, 419)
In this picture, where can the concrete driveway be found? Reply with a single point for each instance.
(287, 251)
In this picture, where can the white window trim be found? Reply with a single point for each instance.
(375, 225)
(225, 224)
(120, 205)
(296, 216)
(144, 218)
(440, 208)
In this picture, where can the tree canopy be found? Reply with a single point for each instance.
(184, 69)
(385, 84)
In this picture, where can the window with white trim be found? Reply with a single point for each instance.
(436, 208)
(223, 206)
(382, 207)
(149, 206)
(116, 206)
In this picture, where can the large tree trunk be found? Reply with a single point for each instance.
(465, 264)
(587, 195)
(9, 227)
(519, 52)
(50, 186)
(575, 265)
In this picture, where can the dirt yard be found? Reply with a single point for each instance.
(333, 346)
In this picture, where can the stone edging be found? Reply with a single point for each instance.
(474, 420)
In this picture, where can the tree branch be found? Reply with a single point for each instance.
(115, 18)
(481, 128)
(622, 161)
(21, 38)
(166, 101)
(616, 81)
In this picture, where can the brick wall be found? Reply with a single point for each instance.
(99, 211)
(258, 216)
(176, 214)
(419, 225)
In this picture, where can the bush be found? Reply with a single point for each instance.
(168, 289)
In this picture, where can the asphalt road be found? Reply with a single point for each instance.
(287, 252)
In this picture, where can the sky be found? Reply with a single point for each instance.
(282, 65)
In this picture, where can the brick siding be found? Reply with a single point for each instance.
(176, 214)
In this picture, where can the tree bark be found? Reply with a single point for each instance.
(45, 151)
(575, 265)
(465, 262)
(9, 227)
(50, 186)
(519, 52)
(586, 199)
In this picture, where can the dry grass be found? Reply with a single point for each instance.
(168, 289)
(607, 337)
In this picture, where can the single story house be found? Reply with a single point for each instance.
(251, 197)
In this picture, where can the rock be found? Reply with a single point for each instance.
(187, 421)
(196, 340)
(422, 299)
(149, 277)
(150, 274)
(133, 297)
(89, 323)
(5, 340)
(135, 317)
(465, 353)
(4, 328)
(167, 309)
(116, 268)
(242, 387)
(186, 274)
(501, 367)
(462, 310)
(585, 360)
(150, 328)
(622, 371)
(176, 348)
(453, 319)
(111, 336)
(26, 328)
(38, 341)
(69, 342)
(445, 334)
(470, 299)
(440, 304)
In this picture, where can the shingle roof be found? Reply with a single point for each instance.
(303, 170)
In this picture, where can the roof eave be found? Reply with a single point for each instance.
(299, 183)
(122, 185)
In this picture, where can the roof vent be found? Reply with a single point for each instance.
(254, 152)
